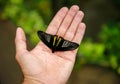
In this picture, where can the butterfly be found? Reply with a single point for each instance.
(56, 43)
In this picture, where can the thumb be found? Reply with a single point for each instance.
(20, 41)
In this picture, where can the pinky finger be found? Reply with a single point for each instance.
(79, 33)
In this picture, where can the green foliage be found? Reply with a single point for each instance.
(30, 15)
(111, 40)
(105, 53)
(93, 52)
(111, 37)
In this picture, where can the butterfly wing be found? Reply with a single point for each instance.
(66, 45)
(46, 38)
(57, 43)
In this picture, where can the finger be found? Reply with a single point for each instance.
(20, 41)
(73, 27)
(55, 23)
(67, 20)
(79, 33)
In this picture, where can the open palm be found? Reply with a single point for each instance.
(40, 65)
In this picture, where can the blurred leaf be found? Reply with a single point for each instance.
(31, 22)
(16, 1)
(113, 61)
(92, 52)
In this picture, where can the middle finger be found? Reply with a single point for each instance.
(67, 20)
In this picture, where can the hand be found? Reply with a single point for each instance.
(40, 65)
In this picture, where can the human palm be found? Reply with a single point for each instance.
(40, 65)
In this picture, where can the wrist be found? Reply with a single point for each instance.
(34, 81)
(31, 81)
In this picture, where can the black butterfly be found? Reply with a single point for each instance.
(56, 43)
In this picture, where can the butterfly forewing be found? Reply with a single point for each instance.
(46, 38)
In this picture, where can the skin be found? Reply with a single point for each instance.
(40, 65)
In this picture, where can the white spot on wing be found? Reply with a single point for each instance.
(66, 44)
(47, 37)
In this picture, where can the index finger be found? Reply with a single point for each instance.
(57, 20)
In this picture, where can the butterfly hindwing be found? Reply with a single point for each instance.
(67, 45)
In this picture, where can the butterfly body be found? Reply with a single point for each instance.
(56, 43)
